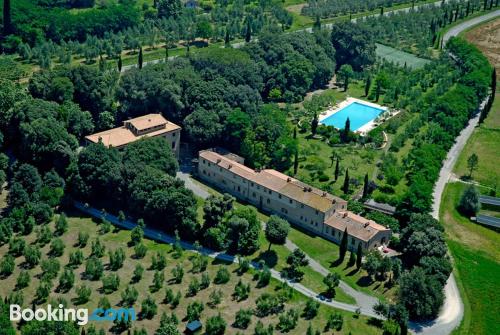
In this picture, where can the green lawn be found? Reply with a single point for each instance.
(326, 253)
(485, 143)
(476, 260)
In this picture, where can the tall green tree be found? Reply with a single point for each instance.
(276, 230)
(7, 18)
(343, 245)
(345, 187)
(345, 73)
(472, 163)
(248, 30)
(469, 201)
(169, 8)
(337, 169)
(140, 59)
(359, 256)
(365, 186)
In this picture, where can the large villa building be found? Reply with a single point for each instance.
(302, 205)
(150, 125)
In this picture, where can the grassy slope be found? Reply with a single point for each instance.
(485, 144)
(228, 308)
(477, 265)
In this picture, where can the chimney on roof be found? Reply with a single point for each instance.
(218, 160)
(345, 214)
(324, 194)
(309, 189)
(288, 179)
(230, 166)
(366, 224)
(333, 201)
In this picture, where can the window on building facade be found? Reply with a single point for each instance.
(279, 196)
(268, 201)
(173, 145)
(291, 201)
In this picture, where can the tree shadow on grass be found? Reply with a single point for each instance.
(364, 281)
(336, 263)
(270, 258)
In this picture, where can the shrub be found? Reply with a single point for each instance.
(93, 269)
(288, 320)
(216, 325)
(149, 308)
(222, 276)
(57, 248)
(243, 318)
(110, 283)
(194, 310)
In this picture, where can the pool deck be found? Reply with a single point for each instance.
(363, 129)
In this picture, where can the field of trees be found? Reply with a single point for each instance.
(251, 100)
(164, 283)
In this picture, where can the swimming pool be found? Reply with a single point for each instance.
(358, 113)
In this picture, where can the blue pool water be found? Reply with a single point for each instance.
(359, 114)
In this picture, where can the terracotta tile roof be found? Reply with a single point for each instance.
(278, 182)
(147, 121)
(357, 226)
(118, 137)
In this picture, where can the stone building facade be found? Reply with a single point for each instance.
(309, 208)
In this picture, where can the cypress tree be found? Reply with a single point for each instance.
(337, 169)
(365, 187)
(7, 21)
(248, 32)
(343, 246)
(296, 162)
(359, 256)
(120, 63)
(344, 135)
(381, 10)
(294, 133)
(345, 188)
(314, 124)
(368, 83)
(139, 60)
(352, 258)
(166, 52)
(227, 38)
(317, 24)
(467, 9)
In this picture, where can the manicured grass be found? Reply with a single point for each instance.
(120, 238)
(327, 253)
(476, 260)
(485, 144)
